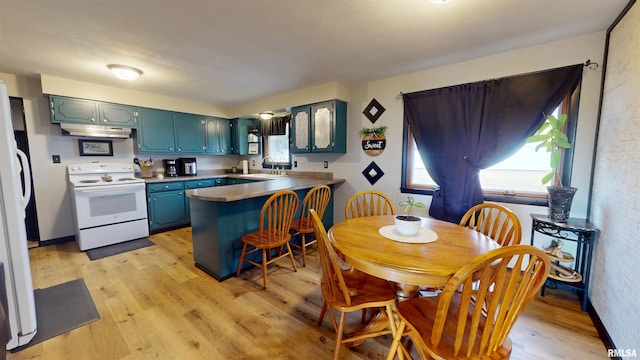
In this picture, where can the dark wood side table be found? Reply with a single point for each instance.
(584, 234)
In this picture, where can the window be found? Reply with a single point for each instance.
(276, 151)
(516, 179)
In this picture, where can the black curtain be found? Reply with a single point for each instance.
(462, 129)
(274, 126)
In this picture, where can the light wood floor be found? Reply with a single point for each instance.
(154, 304)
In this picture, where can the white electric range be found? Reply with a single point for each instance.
(109, 203)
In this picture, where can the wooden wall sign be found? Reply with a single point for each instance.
(373, 140)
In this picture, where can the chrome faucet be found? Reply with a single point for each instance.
(264, 161)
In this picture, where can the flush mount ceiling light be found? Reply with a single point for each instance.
(266, 115)
(439, 2)
(124, 72)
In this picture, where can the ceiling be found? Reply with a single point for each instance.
(228, 52)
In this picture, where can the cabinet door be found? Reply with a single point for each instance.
(194, 184)
(235, 136)
(322, 131)
(70, 110)
(166, 209)
(225, 136)
(217, 136)
(155, 131)
(116, 115)
(240, 135)
(300, 130)
(189, 133)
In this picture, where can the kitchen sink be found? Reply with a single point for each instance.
(262, 175)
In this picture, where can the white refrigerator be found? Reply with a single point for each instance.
(13, 236)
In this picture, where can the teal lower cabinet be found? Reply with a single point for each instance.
(216, 228)
(166, 205)
(169, 207)
(232, 181)
(195, 184)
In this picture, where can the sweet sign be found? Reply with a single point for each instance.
(373, 140)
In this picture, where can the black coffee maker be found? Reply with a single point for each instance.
(170, 168)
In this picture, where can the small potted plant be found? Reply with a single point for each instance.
(408, 224)
(552, 138)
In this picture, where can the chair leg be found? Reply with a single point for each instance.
(264, 268)
(336, 352)
(304, 251)
(322, 311)
(244, 250)
(293, 262)
(396, 342)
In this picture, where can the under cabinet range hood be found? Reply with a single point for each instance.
(95, 131)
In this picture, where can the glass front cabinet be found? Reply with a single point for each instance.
(319, 127)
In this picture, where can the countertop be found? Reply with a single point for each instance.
(202, 175)
(268, 186)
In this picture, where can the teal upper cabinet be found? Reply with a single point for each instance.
(89, 112)
(167, 132)
(155, 132)
(319, 127)
(240, 136)
(217, 136)
(189, 131)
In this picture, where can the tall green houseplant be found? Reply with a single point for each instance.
(552, 138)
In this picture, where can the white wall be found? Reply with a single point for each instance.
(53, 201)
(556, 54)
(616, 192)
(54, 204)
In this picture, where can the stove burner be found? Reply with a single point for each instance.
(89, 181)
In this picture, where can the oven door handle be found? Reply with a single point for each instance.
(110, 189)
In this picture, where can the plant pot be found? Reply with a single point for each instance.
(560, 199)
(408, 225)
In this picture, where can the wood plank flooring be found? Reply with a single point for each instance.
(155, 304)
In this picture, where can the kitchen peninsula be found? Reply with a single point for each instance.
(221, 215)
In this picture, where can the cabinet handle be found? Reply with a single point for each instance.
(166, 186)
(92, 119)
(179, 149)
(170, 149)
(105, 120)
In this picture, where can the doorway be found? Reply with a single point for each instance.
(20, 134)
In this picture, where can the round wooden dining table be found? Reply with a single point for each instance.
(408, 264)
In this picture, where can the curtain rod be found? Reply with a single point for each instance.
(588, 64)
(591, 65)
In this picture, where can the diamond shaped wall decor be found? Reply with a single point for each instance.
(373, 110)
(373, 173)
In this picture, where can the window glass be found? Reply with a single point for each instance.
(276, 151)
(519, 175)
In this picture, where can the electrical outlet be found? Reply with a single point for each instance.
(56, 159)
(326, 164)
(295, 163)
(253, 163)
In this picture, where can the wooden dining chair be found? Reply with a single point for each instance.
(452, 326)
(495, 221)
(273, 233)
(317, 199)
(368, 203)
(347, 291)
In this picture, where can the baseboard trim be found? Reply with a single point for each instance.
(602, 331)
(56, 241)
